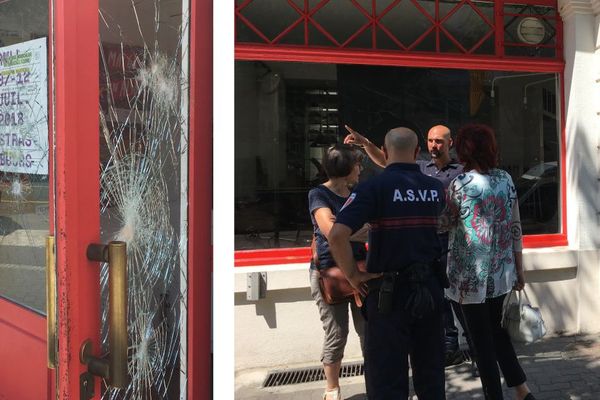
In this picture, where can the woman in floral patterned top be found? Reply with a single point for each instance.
(485, 260)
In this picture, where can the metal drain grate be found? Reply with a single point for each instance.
(309, 374)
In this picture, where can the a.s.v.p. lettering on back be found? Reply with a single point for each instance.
(416, 195)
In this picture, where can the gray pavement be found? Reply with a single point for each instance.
(557, 368)
(23, 257)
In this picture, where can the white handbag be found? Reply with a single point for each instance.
(523, 322)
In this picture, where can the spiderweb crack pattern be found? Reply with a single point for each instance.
(140, 192)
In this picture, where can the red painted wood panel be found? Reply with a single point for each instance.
(23, 371)
(366, 57)
(248, 258)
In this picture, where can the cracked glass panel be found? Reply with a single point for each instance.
(24, 207)
(142, 140)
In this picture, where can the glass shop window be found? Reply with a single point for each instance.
(288, 114)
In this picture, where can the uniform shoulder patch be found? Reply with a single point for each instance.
(349, 200)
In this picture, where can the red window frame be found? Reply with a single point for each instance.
(342, 55)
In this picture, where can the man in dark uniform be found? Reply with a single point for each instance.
(445, 169)
(403, 294)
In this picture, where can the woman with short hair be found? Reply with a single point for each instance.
(342, 164)
(485, 259)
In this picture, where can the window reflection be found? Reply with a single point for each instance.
(287, 113)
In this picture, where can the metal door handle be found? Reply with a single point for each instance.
(51, 302)
(114, 370)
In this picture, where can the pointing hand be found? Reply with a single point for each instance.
(355, 137)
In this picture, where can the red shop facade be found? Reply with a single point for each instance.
(304, 69)
(494, 50)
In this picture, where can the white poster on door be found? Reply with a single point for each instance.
(24, 108)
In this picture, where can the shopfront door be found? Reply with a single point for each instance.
(125, 196)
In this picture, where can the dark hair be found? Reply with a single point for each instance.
(476, 147)
(340, 159)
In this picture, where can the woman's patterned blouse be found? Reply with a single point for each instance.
(485, 229)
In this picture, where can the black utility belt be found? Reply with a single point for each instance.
(419, 300)
(415, 273)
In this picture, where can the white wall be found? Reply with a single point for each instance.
(284, 329)
(582, 103)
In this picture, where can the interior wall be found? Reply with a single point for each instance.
(516, 111)
(168, 12)
(246, 129)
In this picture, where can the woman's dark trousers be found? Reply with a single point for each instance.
(493, 347)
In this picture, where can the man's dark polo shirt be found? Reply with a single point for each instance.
(445, 175)
(402, 205)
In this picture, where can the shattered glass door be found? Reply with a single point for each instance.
(143, 190)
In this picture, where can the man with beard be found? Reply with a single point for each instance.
(445, 169)
(439, 142)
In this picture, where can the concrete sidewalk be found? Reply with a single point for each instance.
(557, 368)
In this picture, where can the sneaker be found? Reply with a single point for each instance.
(332, 394)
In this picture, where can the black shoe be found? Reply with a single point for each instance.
(454, 358)
(467, 355)
(529, 397)
(475, 372)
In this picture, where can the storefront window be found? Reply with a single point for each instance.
(24, 220)
(287, 114)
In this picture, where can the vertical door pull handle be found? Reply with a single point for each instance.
(115, 368)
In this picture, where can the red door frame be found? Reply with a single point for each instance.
(76, 72)
(200, 202)
(75, 35)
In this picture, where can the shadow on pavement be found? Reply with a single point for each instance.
(557, 368)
